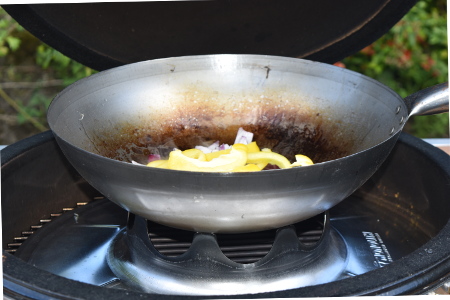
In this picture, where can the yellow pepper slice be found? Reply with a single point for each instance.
(224, 163)
(239, 158)
(252, 147)
(161, 163)
(262, 165)
(195, 153)
(241, 147)
(247, 168)
(302, 160)
(215, 154)
(268, 158)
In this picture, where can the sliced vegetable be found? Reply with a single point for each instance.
(216, 146)
(195, 153)
(224, 163)
(253, 147)
(244, 156)
(243, 137)
(212, 155)
(269, 158)
(153, 157)
(302, 160)
(163, 163)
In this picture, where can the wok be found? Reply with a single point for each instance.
(346, 122)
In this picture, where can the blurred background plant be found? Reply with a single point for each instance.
(411, 56)
(31, 73)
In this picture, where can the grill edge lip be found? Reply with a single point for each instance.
(15, 150)
(39, 284)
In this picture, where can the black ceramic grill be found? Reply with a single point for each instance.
(63, 239)
(241, 248)
(387, 228)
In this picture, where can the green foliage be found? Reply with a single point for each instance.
(430, 126)
(8, 42)
(15, 48)
(413, 55)
(64, 67)
(35, 108)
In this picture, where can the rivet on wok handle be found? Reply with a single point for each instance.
(429, 101)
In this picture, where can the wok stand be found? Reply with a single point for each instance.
(205, 270)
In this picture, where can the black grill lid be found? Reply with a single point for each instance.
(106, 35)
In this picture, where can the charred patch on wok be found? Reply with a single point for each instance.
(285, 129)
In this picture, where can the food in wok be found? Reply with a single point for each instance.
(243, 156)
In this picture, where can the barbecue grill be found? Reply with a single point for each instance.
(64, 239)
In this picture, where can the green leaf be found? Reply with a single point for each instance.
(13, 42)
(3, 51)
(21, 119)
(4, 23)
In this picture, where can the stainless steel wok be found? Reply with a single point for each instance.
(346, 122)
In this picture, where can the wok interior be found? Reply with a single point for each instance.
(285, 131)
(292, 107)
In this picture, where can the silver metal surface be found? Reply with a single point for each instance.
(205, 270)
(240, 89)
(432, 100)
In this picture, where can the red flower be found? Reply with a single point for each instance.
(427, 64)
(339, 64)
(368, 50)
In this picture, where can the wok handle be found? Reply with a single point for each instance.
(429, 101)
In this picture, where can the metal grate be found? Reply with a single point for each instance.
(171, 242)
(19, 240)
(241, 248)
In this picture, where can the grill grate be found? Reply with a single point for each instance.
(241, 248)
(19, 240)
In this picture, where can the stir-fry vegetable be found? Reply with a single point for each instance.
(243, 156)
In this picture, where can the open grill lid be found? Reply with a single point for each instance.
(106, 35)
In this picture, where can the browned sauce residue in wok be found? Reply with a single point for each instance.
(285, 130)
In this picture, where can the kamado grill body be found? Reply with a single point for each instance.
(405, 204)
(63, 239)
